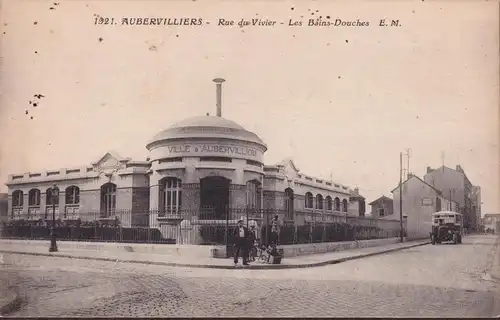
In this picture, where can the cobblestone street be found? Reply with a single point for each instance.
(426, 281)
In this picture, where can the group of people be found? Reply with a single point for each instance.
(247, 240)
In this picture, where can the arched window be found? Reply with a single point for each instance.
(72, 195)
(309, 200)
(253, 194)
(344, 205)
(108, 199)
(337, 204)
(170, 195)
(17, 198)
(50, 199)
(289, 203)
(319, 202)
(34, 198)
(329, 203)
(438, 204)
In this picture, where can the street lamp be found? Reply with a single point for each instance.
(55, 196)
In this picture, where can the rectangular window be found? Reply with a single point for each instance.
(171, 196)
(167, 160)
(254, 163)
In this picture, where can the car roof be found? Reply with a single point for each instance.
(446, 212)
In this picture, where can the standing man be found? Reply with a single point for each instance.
(241, 244)
(252, 239)
(275, 229)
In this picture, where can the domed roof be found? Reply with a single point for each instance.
(207, 121)
(207, 127)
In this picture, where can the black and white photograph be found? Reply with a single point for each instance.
(249, 159)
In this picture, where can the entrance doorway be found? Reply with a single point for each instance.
(214, 198)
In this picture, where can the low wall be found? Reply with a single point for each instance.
(295, 250)
(166, 249)
(385, 224)
(418, 236)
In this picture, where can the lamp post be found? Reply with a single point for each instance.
(55, 196)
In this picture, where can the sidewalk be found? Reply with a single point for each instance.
(202, 262)
(8, 299)
(495, 274)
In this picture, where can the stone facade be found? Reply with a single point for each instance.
(420, 201)
(80, 190)
(197, 171)
(491, 221)
(357, 204)
(455, 185)
(302, 198)
(382, 207)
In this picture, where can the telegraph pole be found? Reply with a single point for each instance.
(408, 154)
(401, 195)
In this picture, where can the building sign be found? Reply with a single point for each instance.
(223, 150)
(427, 201)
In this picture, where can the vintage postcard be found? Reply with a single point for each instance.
(249, 158)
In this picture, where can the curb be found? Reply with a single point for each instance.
(495, 275)
(495, 265)
(228, 267)
(13, 302)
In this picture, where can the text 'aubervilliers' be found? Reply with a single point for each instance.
(213, 149)
(223, 22)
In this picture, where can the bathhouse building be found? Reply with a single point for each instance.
(204, 168)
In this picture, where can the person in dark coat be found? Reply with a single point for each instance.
(275, 228)
(241, 244)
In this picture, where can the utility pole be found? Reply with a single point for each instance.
(401, 195)
(408, 154)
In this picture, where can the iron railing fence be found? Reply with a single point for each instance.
(206, 226)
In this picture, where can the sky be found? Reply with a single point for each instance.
(343, 102)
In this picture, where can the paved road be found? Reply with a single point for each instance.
(427, 281)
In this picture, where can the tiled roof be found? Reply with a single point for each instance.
(381, 198)
(421, 180)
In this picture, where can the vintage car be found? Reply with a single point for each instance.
(447, 226)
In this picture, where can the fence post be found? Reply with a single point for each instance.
(323, 236)
(295, 234)
(226, 232)
(95, 222)
(267, 224)
(310, 233)
(121, 233)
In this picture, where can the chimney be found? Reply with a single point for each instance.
(356, 190)
(429, 170)
(218, 84)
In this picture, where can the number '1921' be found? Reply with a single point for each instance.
(102, 20)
